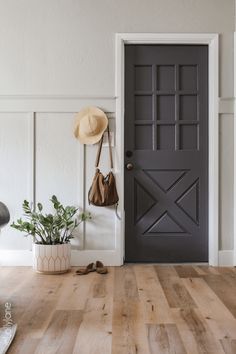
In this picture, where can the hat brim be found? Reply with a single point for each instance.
(90, 140)
(103, 122)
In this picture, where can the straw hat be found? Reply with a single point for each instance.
(90, 124)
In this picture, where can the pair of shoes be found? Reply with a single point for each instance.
(98, 267)
(83, 271)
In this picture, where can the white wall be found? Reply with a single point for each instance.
(66, 47)
(14, 176)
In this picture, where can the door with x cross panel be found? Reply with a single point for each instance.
(166, 153)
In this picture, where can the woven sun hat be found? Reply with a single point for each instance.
(90, 124)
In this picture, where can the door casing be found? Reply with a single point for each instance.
(212, 40)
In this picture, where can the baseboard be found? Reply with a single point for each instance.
(226, 258)
(15, 258)
(109, 257)
(81, 258)
(78, 258)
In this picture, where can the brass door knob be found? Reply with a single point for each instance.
(129, 166)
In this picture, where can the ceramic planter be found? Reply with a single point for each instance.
(51, 259)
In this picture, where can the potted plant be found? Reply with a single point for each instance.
(51, 234)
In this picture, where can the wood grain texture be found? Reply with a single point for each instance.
(128, 323)
(186, 272)
(128, 328)
(156, 308)
(206, 342)
(185, 332)
(125, 285)
(229, 345)
(225, 289)
(95, 333)
(61, 333)
(29, 346)
(219, 318)
(165, 339)
(134, 309)
(175, 292)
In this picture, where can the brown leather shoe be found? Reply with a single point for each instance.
(83, 271)
(100, 268)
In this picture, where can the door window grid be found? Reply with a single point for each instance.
(179, 114)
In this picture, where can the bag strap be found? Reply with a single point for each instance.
(110, 149)
(100, 149)
(99, 152)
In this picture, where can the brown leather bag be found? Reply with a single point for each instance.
(103, 190)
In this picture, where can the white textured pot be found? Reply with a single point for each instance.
(51, 259)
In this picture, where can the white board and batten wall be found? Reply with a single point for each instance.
(53, 63)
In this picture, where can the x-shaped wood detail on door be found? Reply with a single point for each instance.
(166, 202)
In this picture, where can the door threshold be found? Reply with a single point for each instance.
(169, 264)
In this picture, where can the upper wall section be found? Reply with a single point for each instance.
(67, 47)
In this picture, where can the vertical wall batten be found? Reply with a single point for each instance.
(81, 189)
(31, 162)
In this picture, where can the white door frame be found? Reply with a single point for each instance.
(210, 39)
(234, 258)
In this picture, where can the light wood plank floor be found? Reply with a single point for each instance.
(135, 309)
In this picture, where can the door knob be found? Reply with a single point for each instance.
(129, 166)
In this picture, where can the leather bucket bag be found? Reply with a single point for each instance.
(103, 190)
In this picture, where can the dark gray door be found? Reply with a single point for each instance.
(166, 153)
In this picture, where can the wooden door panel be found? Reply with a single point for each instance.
(166, 135)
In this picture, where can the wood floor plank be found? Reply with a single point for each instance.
(209, 270)
(4, 274)
(128, 328)
(75, 291)
(135, 309)
(175, 292)
(15, 280)
(33, 306)
(29, 346)
(223, 289)
(224, 270)
(231, 279)
(95, 334)
(185, 332)
(229, 345)
(165, 271)
(199, 270)
(198, 328)
(156, 308)
(186, 272)
(99, 288)
(218, 317)
(61, 333)
(125, 283)
(165, 339)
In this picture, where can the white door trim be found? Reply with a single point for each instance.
(212, 40)
(234, 256)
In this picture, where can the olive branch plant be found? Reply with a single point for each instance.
(50, 229)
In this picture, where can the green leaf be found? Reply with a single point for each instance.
(40, 207)
(56, 228)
